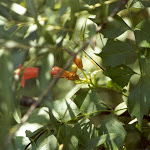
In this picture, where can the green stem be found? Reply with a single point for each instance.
(84, 75)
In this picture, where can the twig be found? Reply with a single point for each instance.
(54, 81)
(27, 101)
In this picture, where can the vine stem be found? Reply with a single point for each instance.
(54, 81)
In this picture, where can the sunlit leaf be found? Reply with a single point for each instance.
(115, 27)
(84, 130)
(80, 97)
(120, 109)
(46, 141)
(17, 115)
(19, 142)
(38, 119)
(40, 116)
(73, 91)
(92, 103)
(140, 4)
(111, 125)
(64, 110)
(76, 136)
(100, 140)
(141, 33)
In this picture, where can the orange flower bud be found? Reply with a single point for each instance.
(66, 74)
(74, 68)
(78, 62)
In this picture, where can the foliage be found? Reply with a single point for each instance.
(107, 107)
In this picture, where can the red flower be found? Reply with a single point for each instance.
(28, 73)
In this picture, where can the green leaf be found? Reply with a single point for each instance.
(80, 97)
(33, 136)
(6, 94)
(120, 109)
(46, 141)
(92, 103)
(5, 12)
(17, 115)
(111, 125)
(146, 3)
(64, 110)
(73, 91)
(4, 34)
(141, 33)
(100, 140)
(66, 137)
(91, 2)
(31, 5)
(115, 52)
(46, 62)
(120, 74)
(145, 62)
(115, 27)
(139, 99)
(54, 122)
(48, 37)
(114, 86)
(140, 4)
(19, 143)
(76, 136)
(50, 3)
(37, 119)
(40, 116)
(92, 30)
(70, 25)
(84, 130)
